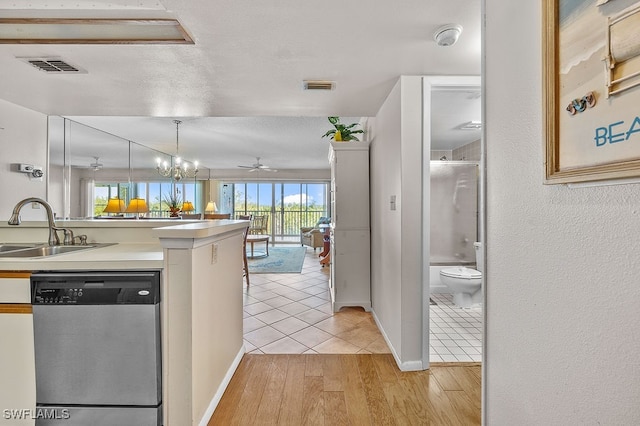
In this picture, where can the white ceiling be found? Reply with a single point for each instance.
(238, 89)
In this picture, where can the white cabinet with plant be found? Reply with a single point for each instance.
(350, 234)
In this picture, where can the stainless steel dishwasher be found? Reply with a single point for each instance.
(97, 348)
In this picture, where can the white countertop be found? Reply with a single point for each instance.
(125, 255)
(117, 256)
(198, 230)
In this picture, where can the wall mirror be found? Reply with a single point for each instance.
(87, 166)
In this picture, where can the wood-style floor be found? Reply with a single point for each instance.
(362, 389)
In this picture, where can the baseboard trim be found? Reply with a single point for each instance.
(223, 386)
(403, 366)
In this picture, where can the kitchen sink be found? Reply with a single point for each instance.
(45, 250)
(15, 246)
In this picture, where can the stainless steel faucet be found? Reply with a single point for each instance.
(15, 217)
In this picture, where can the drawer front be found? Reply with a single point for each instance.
(15, 288)
(17, 364)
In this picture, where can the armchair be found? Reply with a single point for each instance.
(312, 236)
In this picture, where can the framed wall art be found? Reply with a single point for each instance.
(591, 80)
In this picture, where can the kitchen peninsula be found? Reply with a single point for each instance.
(201, 304)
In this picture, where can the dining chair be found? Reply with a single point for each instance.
(191, 216)
(259, 224)
(217, 215)
(245, 262)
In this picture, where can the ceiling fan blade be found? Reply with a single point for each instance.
(258, 166)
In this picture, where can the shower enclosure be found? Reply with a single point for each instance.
(454, 212)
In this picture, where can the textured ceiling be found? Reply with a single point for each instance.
(238, 89)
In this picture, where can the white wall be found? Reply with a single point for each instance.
(385, 168)
(23, 140)
(396, 169)
(562, 277)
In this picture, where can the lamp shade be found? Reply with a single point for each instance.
(187, 206)
(211, 207)
(137, 205)
(114, 205)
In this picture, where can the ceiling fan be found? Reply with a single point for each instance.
(258, 166)
(95, 166)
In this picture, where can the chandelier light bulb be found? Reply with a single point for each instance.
(180, 169)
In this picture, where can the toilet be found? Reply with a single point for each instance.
(465, 283)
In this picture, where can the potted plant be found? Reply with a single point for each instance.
(173, 201)
(342, 132)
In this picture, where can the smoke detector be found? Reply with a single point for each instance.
(447, 35)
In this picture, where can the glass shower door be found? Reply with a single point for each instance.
(454, 212)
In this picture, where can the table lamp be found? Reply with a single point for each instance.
(137, 205)
(114, 205)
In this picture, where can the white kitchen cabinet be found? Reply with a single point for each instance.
(350, 281)
(17, 361)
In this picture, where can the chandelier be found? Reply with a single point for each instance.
(180, 169)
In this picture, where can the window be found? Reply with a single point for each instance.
(289, 206)
(154, 193)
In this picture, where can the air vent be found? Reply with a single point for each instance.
(319, 85)
(53, 65)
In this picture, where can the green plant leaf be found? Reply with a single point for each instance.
(345, 130)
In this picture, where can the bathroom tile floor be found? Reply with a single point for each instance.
(291, 314)
(455, 334)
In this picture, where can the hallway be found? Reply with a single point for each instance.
(291, 314)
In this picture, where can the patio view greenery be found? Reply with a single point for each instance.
(289, 206)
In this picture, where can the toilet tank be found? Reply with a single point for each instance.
(479, 256)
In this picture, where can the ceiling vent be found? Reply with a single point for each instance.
(319, 85)
(53, 65)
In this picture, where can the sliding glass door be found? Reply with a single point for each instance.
(288, 206)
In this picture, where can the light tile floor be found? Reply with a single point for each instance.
(455, 333)
(291, 313)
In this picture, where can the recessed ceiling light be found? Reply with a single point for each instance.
(318, 85)
(92, 31)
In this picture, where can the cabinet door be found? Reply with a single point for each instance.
(350, 269)
(17, 362)
(351, 189)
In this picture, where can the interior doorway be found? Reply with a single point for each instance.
(452, 133)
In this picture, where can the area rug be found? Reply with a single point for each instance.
(281, 260)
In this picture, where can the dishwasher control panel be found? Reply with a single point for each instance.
(109, 288)
(58, 295)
